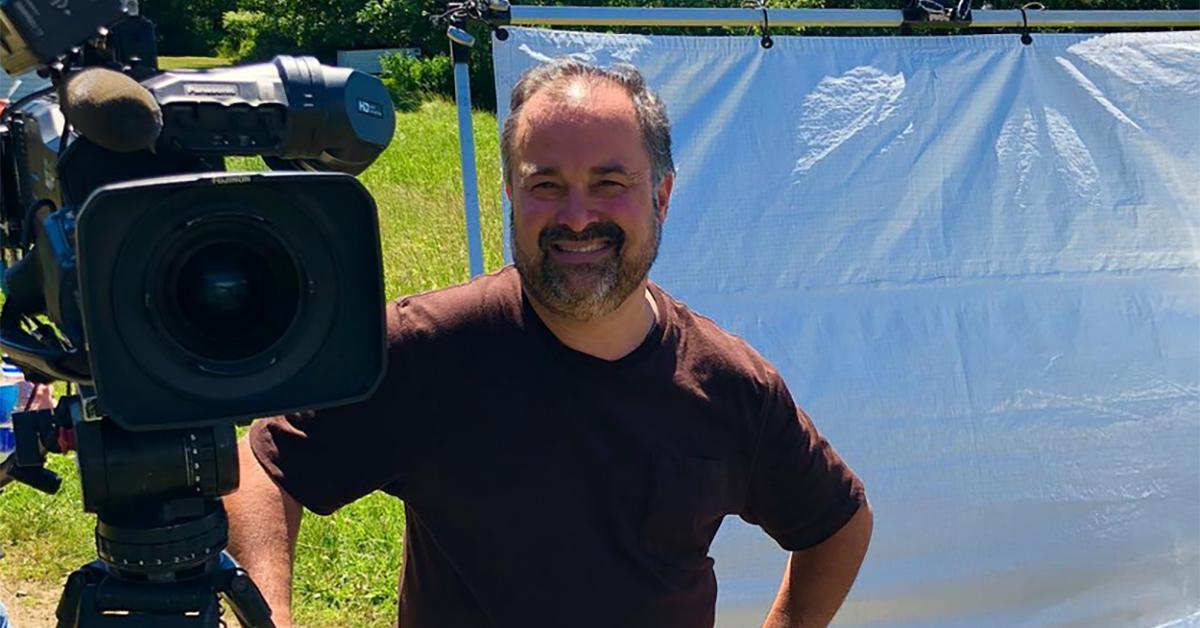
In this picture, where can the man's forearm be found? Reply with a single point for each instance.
(817, 579)
(263, 524)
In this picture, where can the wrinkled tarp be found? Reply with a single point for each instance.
(976, 264)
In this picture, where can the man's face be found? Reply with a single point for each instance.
(586, 216)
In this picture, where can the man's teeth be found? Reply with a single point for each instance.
(581, 247)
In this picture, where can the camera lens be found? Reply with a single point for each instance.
(230, 289)
(213, 297)
(222, 287)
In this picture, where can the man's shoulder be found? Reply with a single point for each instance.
(485, 302)
(707, 348)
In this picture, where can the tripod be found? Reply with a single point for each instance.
(161, 529)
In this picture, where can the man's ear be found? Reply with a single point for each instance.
(663, 194)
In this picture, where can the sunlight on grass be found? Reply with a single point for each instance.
(192, 63)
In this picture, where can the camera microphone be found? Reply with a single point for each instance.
(112, 110)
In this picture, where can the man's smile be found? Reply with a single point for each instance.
(581, 251)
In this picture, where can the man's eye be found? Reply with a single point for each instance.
(544, 185)
(611, 183)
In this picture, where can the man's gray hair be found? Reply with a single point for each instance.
(651, 114)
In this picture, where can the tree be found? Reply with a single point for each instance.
(187, 27)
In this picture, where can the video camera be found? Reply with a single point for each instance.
(177, 297)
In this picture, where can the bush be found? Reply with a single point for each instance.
(411, 80)
(261, 29)
(253, 35)
(187, 27)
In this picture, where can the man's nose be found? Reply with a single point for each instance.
(577, 211)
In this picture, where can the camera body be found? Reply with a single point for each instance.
(183, 295)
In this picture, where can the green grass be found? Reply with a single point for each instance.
(191, 63)
(348, 563)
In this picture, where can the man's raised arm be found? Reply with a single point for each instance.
(817, 579)
(263, 524)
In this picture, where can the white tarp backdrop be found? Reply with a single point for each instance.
(977, 264)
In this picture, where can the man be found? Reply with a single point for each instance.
(565, 435)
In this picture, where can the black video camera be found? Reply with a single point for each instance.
(187, 297)
(177, 297)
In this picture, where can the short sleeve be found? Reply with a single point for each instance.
(328, 458)
(800, 490)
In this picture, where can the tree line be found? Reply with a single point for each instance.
(254, 30)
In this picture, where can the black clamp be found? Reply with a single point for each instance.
(936, 13)
(494, 13)
(1026, 38)
(766, 42)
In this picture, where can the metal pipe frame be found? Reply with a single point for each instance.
(839, 18)
(466, 156)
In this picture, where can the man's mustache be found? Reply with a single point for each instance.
(606, 230)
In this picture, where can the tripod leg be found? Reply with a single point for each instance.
(72, 596)
(243, 596)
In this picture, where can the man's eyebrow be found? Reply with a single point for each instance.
(611, 168)
(533, 171)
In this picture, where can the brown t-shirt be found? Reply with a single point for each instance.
(547, 487)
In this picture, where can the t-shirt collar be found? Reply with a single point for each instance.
(652, 341)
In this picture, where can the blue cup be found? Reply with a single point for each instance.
(8, 403)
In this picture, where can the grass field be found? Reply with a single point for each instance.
(348, 563)
(191, 63)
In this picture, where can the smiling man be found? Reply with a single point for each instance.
(566, 436)
(588, 205)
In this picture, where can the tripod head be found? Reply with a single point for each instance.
(161, 529)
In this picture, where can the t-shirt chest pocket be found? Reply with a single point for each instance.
(688, 499)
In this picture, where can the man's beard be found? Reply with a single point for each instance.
(584, 292)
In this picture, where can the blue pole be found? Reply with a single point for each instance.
(460, 43)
